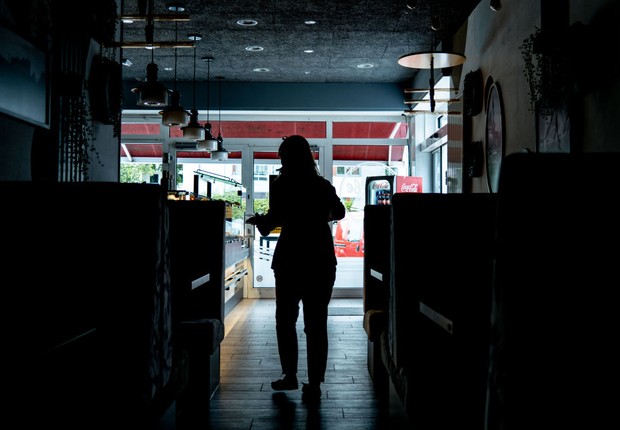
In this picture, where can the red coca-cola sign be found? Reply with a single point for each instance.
(408, 184)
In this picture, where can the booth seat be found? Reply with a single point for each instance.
(197, 236)
(437, 343)
(554, 355)
(115, 302)
(376, 289)
(501, 313)
(87, 325)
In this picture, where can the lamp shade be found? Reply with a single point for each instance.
(174, 114)
(220, 153)
(206, 145)
(423, 60)
(209, 143)
(151, 92)
(193, 130)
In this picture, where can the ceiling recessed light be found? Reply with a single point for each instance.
(309, 22)
(167, 69)
(176, 7)
(260, 69)
(194, 36)
(247, 22)
(308, 51)
(365, 66)
(254, 48)
(306, 73)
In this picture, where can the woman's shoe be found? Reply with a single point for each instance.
(286, 383)
(310, 393)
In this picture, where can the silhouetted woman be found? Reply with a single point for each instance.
(302, 203)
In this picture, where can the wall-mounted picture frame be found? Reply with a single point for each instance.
(494, 135)
(24, 80)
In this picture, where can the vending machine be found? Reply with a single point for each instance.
(380, 189)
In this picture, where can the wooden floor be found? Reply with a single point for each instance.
(249, 362)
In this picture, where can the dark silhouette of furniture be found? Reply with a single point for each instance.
(376, 290)
(439, 310)
(554, 356)
(197, 233)
(87, 335)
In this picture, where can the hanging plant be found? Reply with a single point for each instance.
(106, 92)
(77, 138)
(551, 72)
(103, 20)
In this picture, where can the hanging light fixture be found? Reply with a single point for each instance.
(209, 143)
(432, 59)
(151, 92)
(221, 153)
(193, 130)
(174, 114)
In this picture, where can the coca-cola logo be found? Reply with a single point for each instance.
(380, 185)
(409, 188)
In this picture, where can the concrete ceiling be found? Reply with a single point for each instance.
(347, 33)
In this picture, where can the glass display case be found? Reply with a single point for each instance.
(213, 186)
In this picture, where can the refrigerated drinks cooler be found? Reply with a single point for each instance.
(380, 189)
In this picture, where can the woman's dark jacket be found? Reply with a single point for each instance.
(303, 207)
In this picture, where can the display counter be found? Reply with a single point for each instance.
(213, 186)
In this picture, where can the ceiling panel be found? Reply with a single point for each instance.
(347, 33)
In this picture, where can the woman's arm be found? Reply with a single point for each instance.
(262, 223)
(337, 210)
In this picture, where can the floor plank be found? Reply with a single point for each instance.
(249, 362)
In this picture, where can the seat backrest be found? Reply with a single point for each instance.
(443, 247)
(377, 255)
(554, 348)
(197, 235)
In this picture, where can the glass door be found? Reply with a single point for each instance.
(265, 165)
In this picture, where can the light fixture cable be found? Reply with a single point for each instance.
(208, 89)
(219, 107)
(193, 129)
(151, 92)
(221, 153)
(175, 114)
(209, 143)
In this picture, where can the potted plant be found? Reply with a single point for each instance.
(553, 72)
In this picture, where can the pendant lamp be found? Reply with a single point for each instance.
(193, 130)
(174, 114)
(209, 143)
(151, 92)
(221, 153)
(432, 59)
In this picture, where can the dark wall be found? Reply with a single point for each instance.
(33, 151)
(288, 96)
